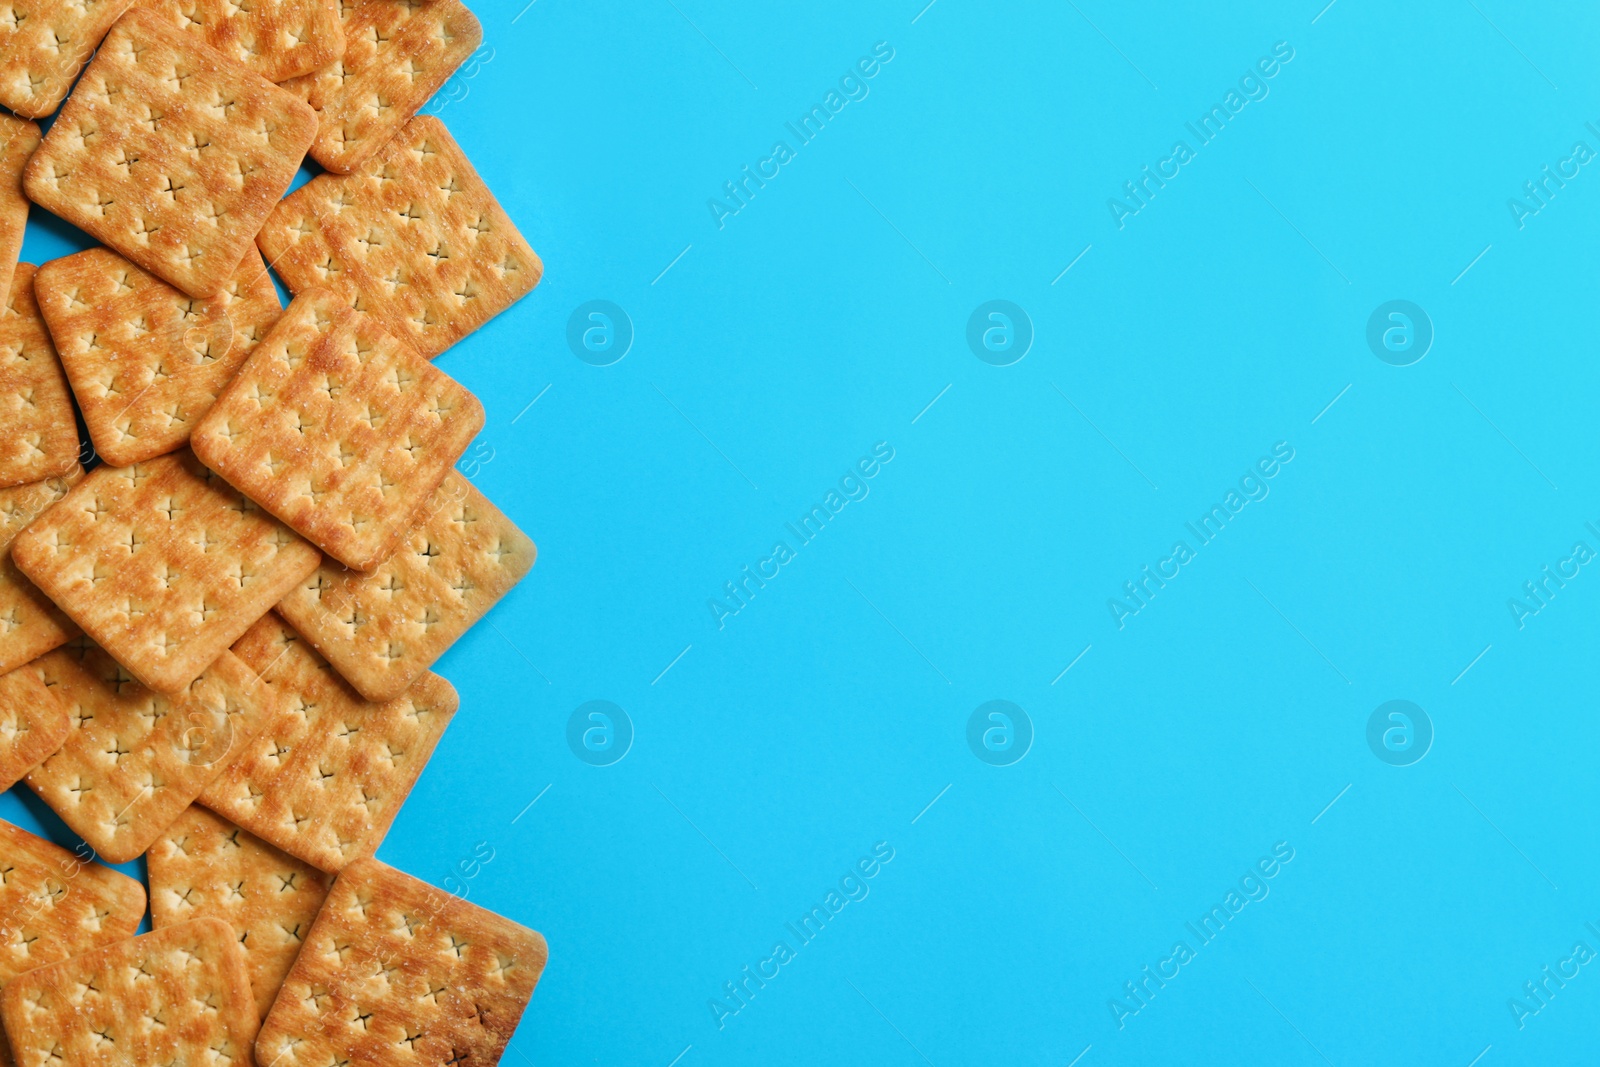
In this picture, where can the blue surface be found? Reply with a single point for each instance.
(1227, 718)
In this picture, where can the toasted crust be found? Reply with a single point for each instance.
(414, 238)
(162, 564)
(383, 630)
(38, 432)
(170, 153)
(30, 623)
(176, 995)
(339, 429)
(18, 139)
(204, 866)
(33, 723)
(145, 360)
(278, 39)
(329, 772)
(43, 45)
(394, 963)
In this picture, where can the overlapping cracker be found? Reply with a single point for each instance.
(398, 971)
(203, 866)
(382, 630)
(43, 45)
(30, 623)
(170, 153)
(175, 996)
(18, 139)
(145, 360)
(54, 905)
(414, 238)
(328, 774)
(38, 432)
(134, 759)
(339, 429)
(278, 39)
(397, 54)
(33, 723)
(163, 564)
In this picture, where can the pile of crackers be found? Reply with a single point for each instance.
(217, 624)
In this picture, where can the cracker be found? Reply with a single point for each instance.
(328, 773)
(38, 432)
(398, 971)
(414, 238)
(397, 54)
(203, 866)
(30, 623)
(175, 996)
(18, 139)
(133, 759)
(43, 45)
(170, 153)
(278, 39)
(54, 905)
(382, 630)
(145, 360)
(33, 723)
(162, 563)
(339, 429)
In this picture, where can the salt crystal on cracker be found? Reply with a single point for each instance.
(278, 39)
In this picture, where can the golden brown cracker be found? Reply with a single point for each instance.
(30, 623)
(38, 432)
(162, 563)
(43, 45)
(414, 238)
(382, 630)
(397, 54)
(133, 759)
(204, 866)
(33, 722)
(339, 429)
(170, 153)
(278, 39)
(398, 971)
(175, 996)
(146, 360)
(326, 776)
(18, 139)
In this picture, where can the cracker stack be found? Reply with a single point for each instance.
(215, 642)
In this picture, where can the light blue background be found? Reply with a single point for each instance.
(1224, 718)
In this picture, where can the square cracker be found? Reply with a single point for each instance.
(43, 45)
(414, 238)
(328, 773)
(38, 431)
(30, 622)
(170, 153)
(162, 563)
(398, 971)
(278, 39)
(176, 996)
(133, 759)
(384, 629)
(18, 139)
(204, 866)
(339, 429)
(145, 360)
(33, 723)
(397, 54)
